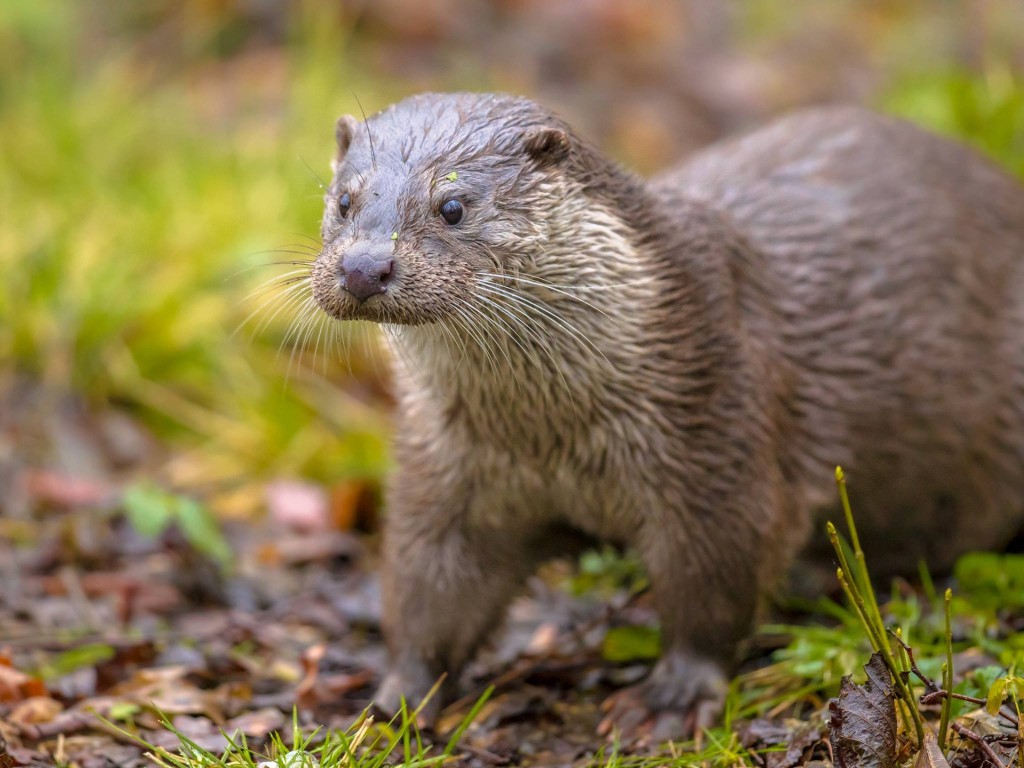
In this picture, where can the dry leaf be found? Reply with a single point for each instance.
(862, 722)
(930, 755)
(37, 709)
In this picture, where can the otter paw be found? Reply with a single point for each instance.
(411, 684)
(682, 695)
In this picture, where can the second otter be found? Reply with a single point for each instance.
(675, 364)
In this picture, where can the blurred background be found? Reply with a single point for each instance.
(157, 157)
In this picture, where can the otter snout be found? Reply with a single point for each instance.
(366, 271)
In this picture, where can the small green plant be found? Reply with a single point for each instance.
(897, 658)
(856, 584)
(66, 662)
(151, 511)
(605, 571)
(367, 743)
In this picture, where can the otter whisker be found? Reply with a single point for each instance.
(347, 331)
(337, 344)
(294, 249)
(315, 175)
(316, 347)
(292, 276)
(300, 248)
(483, 326)
(503, 320)
(524, 323)
(312, 317)
(299, 306)
(445, 334)
(290, 298)
(570, 287)
(263, 265)
(285, 297)
(495, 337)
(492, 343)
(315, 240)
(369, 340)
(554, 289)
(545, 311)
(369, 135)
(394, 334)
(270, 294)
(454, 336)
(306, 309)
(476, 333)
(510, 327)
(511, 324)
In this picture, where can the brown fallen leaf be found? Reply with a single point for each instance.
(768, 737)
(37, 709)
(930, 755)
(257, 723)
(862, 721)
(168, 691)
(354, 506)
(305, 691)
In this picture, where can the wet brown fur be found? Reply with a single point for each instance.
(678, 364)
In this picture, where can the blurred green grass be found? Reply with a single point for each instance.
(138, 204)
(984, 109)
(142, 183)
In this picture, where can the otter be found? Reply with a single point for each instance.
(676, 365)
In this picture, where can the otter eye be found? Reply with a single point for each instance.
(343, 204)
(452, 211)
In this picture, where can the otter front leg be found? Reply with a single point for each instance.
(706, 597)
(447, 579)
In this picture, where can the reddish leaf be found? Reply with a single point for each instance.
(64, 490)
(16, 685)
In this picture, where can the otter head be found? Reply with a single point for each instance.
(433, 195)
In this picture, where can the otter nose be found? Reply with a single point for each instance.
(366, 274)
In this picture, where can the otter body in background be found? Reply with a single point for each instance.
(676, 365)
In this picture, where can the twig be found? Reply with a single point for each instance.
(485, 756)
(939, 695)
(931, 686)
(69, 722)
(967, 733)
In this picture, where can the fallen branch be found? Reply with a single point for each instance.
(967, 733)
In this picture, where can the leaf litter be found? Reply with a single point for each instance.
(130, 625)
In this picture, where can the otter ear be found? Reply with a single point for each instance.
(547, 145)
(344, 130)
